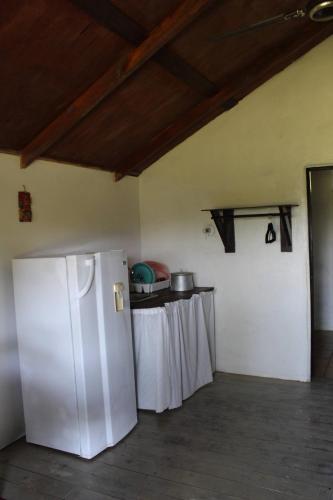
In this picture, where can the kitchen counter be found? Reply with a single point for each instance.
(160, 298)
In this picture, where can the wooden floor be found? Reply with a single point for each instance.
(238, 438)
(322, 353)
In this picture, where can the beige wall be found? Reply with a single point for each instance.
(254, 154)
(73, 208)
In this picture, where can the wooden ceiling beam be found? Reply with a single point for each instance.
(266, 66)
(104, 12)
(168, 29)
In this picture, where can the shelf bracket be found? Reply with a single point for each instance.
(224, 221)
(285, 228)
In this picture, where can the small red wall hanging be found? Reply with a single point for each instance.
(24, 200)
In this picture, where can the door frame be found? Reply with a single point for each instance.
(308, 171)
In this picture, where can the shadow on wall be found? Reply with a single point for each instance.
(11, 412)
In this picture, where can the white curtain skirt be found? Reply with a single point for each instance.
(174, 348)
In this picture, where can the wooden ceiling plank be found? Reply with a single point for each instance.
(111, 17)
(170, 27)
(104, 12)
(185, 72)
(266, 66)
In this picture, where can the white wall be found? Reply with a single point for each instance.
(254, 154)
(322, 234)
(73, 208)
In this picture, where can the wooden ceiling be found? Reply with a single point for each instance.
(116, 84)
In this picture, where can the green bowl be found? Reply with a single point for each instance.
(143, 273)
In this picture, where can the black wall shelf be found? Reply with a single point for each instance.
(224, 221)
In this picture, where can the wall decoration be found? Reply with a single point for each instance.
(24, 201)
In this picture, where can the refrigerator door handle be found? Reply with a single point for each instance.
(118, 289)
(91, 264)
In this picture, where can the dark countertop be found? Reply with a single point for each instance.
(163, 296)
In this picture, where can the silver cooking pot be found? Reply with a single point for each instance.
(182, 281)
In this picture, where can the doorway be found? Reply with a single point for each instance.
(320, 216)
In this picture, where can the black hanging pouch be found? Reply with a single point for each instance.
(270, 234)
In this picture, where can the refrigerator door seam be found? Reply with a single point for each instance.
(82, 411)
(103, 349)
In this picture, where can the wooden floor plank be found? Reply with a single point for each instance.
(82, 494)
(210, 473)
(11, 491)
(34, 481)
(240, 438)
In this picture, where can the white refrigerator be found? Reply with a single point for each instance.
(75, 350)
